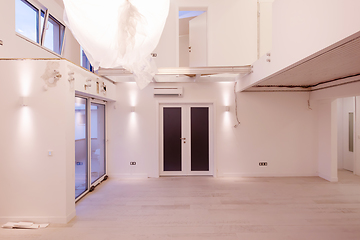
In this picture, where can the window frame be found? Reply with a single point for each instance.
(41, 31)
(82, 54)
(61, 40)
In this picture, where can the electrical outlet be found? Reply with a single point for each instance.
(132, 163)
(263, 164)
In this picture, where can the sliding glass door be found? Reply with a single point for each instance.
(97, 141)
(81, 147)
(90, 144)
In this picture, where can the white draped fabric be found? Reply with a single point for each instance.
(119, 33)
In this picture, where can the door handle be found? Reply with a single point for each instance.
(183, 138)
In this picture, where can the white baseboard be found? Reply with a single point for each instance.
(239, 175)
(328, 178)
(39, 219)
(71, 216)
(128, 175)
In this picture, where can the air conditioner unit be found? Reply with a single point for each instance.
(178, 91)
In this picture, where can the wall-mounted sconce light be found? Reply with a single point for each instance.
(24, 101)
(132, 109)
(227, 108)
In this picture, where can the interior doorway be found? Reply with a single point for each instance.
(186, 134)
(193, 38)
(346, 133)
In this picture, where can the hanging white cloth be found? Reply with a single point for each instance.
(119, 33)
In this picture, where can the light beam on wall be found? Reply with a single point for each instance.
(25, 130)
(25, 78)
(226, 92)
(133, 94)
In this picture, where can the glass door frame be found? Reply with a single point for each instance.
(87, 149)
(88, 116)
(186, 116)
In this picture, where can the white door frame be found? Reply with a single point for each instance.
(160, 106)
(101, 102)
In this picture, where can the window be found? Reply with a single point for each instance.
(33, 21)
(54, 35)
(27, 20)
(85, 63)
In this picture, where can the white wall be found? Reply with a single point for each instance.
(35, 186)
(232, 32)
(265, 34)
(17, 47)
(275, 127)
(327, 115)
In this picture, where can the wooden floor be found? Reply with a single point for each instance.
(213, 208)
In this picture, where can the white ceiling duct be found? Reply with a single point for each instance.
(116, 33)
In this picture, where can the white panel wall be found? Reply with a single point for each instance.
(275, 127)
(16, 47)
(265, 36)
(232, 32)
(301, 28)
